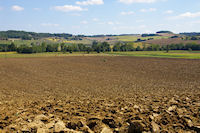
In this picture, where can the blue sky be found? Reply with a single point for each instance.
(100, 16)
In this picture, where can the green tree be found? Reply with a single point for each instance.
(62, 45)
(105, 46)
(89, 49)
(81, 47)
(44, 46)
(70, 49)
(98, 48)
(117, 47)
(51, 48)
(167, 48)
(36, 49)
(190, 50)
(25, 49)
(32, 44)
(12, 47)
(95, 45)
(127, 47)
(138, 48)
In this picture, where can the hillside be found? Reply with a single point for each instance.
(167, 41)
(30, 35)
(160, 38)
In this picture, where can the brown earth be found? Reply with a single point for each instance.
(99, 94)
(167, 41)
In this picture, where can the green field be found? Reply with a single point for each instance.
(86, 41)
(50, 41)
(48, 54)
(159, 54)
(134, 38)
(22, 42)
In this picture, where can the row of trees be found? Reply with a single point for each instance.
(7, 48)
(129, 47)
(96, 47)
(181, 46)
(156, 47)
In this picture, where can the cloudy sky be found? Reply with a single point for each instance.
(100, 16)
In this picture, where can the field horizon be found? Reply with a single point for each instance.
(180, 54)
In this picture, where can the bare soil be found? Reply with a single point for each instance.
(167, 41)
(99, 94)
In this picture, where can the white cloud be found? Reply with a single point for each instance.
(169, 12)
(127, 13)
(68, 8)
(148, 31)
(186, 15)
(124, 28)
(143, 10)
(76, 27)
(17, 8)
(158, 25)
(117, 22)
(84, 22)
(195, 22)
(111, 23)
(137, 1)
(190, 15)
(49, 25)
(36, 9)
(139, 21)
(142, 26)
(90, 2)
(152, 9)
(30, 25)
(148, 10)
(75, 14)
(101, 23)
(95, 19)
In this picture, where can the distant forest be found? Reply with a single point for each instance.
(4, 35)
(33, 35)
(30, 35)
(191, 33)
(163, 31)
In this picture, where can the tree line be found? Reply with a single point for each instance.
(95, 47)
(30, 35)
(156, 47)
(44, 47)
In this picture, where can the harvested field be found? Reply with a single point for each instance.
(99, 94)
(167, 41)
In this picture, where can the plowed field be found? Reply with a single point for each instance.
(99, 94)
